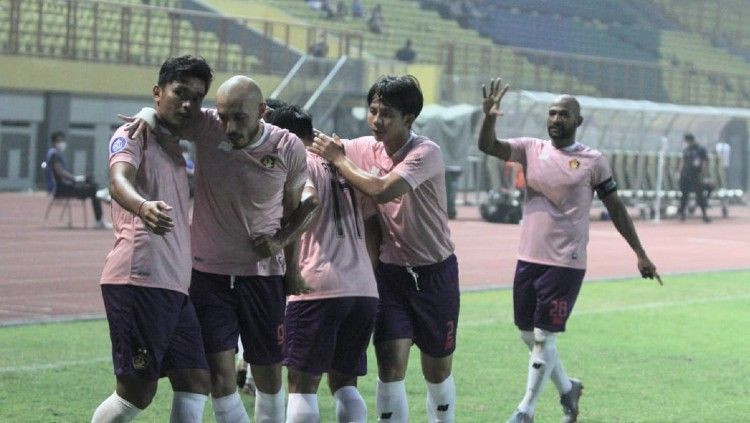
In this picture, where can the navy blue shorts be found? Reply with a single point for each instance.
(544, 296)
(152, 330)
(331, 333)
(420, 303)
(252, 307)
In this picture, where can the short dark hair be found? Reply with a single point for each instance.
(292, 118)
(181, 67)
(689, 137)
(55, 135)
(400, 92)
(275, 103)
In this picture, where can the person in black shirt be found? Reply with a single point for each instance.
(694, 159)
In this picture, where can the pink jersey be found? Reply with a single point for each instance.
(415, 225)
(333, 254)
(139, 256)
(238, 196)
(559, 190)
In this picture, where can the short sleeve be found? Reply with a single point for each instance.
(518, 148)
(421, 164)
(296, 160)
(601, 172)
(367, 204)
(125, 149)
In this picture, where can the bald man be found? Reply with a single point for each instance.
(561, 177)
(249, 176)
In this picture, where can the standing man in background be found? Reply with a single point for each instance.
(561, 177)
(692, 171)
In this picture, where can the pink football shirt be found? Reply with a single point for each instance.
(415, 225)
(333, 254)
(559, 191)
(140, 257)
(238, 196)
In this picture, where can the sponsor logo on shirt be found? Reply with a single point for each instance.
(117, 145)
(268, 162)
(574, 163)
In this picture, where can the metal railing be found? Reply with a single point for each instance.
(145, 35)
(468, 64)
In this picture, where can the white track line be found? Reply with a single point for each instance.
(52, 366)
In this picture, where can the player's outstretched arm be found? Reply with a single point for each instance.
(624, 224)
(155, 214)
(382, 188)
(488, 141)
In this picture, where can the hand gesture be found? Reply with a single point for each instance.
(267, 246)
(155, 214)
(294, 284)
(135, 127)
(326, 147)
(648, 270)
(491, 102)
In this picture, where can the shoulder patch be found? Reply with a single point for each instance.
(117, 145)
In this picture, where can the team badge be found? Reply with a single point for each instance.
(268, 162)
(140, 359)
(574, 163)
(117, 145)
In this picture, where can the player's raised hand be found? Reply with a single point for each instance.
(491, 100)
(267, 246)
(294, 284)
(329, 148)
(155, 214)
(648, 269)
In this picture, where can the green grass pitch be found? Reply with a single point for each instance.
(645, 353)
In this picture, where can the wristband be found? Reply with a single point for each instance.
(139, 208)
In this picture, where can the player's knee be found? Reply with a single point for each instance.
(140, 395)
(543, 341)
(527, 337)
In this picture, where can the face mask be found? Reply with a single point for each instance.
(61, 146)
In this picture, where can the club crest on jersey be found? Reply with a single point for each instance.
(574, 163)
(268, 162)
(140, 359)
(117, 145)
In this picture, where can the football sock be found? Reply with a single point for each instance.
(350, 406)
(441, 401)
(541, 362)
(229, 409)
(115, 409)
(187, 407)
(391, 402)
(269, 408)
(302, 408)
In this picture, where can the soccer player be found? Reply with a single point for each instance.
(153, 325)
(328, 330)
(249, 175)
(417, 273)
(561, 177)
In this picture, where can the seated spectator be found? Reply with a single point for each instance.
(65, 184)
(358, 9)
(406, 53)
(376, 22)
(320, 48)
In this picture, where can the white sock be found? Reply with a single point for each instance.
(249, 381)
(350, 406)
(541, 362)
(302, 408)
(229, 409)
(391, 402)
(187, 407)
(269, 408)
(441, 401)
(115, 409)
(560, 378)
